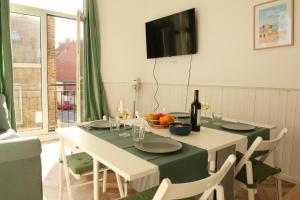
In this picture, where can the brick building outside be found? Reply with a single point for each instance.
(25, 36)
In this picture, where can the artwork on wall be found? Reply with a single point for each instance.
(274, 24)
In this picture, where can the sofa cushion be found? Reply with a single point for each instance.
(9, 134)
(4, 120)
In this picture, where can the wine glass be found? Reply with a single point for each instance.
(123, 110)
(204, 107)
(123, 113)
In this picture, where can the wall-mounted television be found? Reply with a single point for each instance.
(172, 35)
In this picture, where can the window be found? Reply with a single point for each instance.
(64, 6)
(44, 41)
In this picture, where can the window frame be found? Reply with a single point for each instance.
(43, 14)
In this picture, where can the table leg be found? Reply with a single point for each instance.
(228, 181)
(212, 169)
(104, 181)
(96, 179)
(125, 188)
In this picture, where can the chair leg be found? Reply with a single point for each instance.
(60, 195)
(251, 194)
(120, 185)
(278, 188)
(249, 173)
(220, 192)
(66, 170)
(104, 181)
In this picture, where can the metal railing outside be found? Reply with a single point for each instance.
(66, 105)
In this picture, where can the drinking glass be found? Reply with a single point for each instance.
(114, 124)
(138, 132)
(204, 107)
(217, 118)
(123, 110)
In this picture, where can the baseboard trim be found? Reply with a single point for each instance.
(48, 137)
(289, 178)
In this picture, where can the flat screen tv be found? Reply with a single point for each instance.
(172, 35)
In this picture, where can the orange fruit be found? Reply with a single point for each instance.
(151, 117)
(166, 120)
(171, 117)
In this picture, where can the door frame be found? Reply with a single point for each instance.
(43, 14)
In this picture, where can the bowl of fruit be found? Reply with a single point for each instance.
(160, 120)
(180, 129)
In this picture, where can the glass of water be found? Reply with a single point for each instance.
(138, 132)
(217, 118)
(114, 124)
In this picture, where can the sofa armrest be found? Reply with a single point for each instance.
(19, 149)
(8, 134)
(20, 169)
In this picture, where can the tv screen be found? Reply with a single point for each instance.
(172, 35)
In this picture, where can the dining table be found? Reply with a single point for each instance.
(143, 171)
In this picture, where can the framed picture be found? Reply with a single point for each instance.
(274, 24)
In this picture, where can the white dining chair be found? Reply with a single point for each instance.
(251, 169)
(167, 190)
(78, 164)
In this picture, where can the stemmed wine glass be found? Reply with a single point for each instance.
(123, 110)
(123, 113)
(204, 107)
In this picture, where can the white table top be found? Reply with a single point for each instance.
(122, 162)
(209, 139)
(132, 167)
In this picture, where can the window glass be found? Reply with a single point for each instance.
(26, 51)
(64, 6)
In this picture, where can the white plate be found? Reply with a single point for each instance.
(237, 126)
(180, 114)
(100, 124)
(158, 145)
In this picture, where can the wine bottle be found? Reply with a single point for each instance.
(196, 112)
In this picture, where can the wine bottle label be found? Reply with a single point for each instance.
(198, 117)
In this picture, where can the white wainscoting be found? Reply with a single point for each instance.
(279, 107)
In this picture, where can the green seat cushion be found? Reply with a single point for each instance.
(4, 120)
(81, 163)
(261, 171)
(148, 195)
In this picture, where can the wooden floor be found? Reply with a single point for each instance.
(266, 191)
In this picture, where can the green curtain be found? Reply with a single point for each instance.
(94, 103)
(6, 71)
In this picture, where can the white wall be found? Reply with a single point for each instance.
(225, 51)
(261, 86)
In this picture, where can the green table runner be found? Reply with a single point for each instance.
(186, 165)
(251, 135)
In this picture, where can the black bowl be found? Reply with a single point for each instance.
(183, 130)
